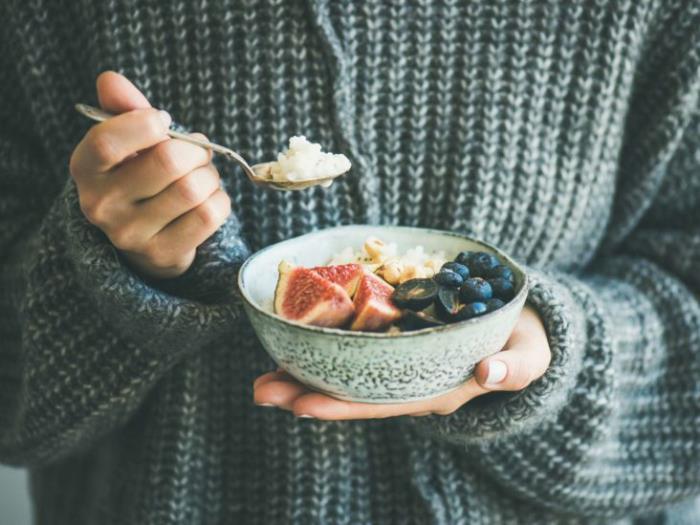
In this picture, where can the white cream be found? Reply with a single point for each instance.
(304, 160)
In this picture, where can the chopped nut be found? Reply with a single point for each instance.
(391, 272)
(383, 259)
(373, 268)
(410, 271)
(375, 249)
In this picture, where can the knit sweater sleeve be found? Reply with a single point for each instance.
(82, 338)
(613, 426)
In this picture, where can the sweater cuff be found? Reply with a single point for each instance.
(212, 276)
(500, 414)
(187, 311)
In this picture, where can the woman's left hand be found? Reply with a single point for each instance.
(524, 358)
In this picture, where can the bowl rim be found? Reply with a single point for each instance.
(513, 303)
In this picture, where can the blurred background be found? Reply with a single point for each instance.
(14, 499)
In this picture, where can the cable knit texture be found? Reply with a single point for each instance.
(568, 133)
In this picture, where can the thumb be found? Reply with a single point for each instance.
(117, 94)
(513, 369)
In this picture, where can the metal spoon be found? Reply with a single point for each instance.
(258, 174)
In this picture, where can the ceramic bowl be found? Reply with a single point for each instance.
(365, 366)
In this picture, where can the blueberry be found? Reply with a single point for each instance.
(475, 289)
(502, 288)
(447, 304)
(494, 304)
(415, 294)
(472, 310)
(501, 271)
(481, 263)
(447, 277)
(457, 268)
(464, 258)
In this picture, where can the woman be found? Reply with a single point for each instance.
(566, 133)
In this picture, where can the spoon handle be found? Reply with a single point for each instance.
(99, 115)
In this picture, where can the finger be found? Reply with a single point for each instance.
(279, 393)
(188, 231)
(525, 357)
(272, 376)
(452, 401)
(173, 249)
(117, 94)
(154, 170)
(321, 406)
(325, 407)
(110, 142)
(181, 196)
(529, 328)
(135, 228)
(514, 368)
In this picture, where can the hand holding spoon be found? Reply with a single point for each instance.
(258, 173)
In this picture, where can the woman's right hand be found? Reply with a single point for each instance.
(155, 198)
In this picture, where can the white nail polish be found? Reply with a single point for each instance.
(497, 372)
(306, 416)
(165, 117)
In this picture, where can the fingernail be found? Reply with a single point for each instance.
(165, 118)
(265, 404)
(307, 416)
(497, 372)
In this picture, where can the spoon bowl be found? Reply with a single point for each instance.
(262, 173)
(258, 174)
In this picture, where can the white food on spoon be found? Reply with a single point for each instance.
(304, 160)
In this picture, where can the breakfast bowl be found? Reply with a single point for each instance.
(374, 367)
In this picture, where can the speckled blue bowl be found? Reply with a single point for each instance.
(374, 367)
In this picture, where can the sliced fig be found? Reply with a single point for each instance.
(345, 275)
(304, 296)
(373, 307)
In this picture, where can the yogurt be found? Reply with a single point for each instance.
(304, 160)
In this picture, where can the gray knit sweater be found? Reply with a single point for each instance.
(567, 133)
